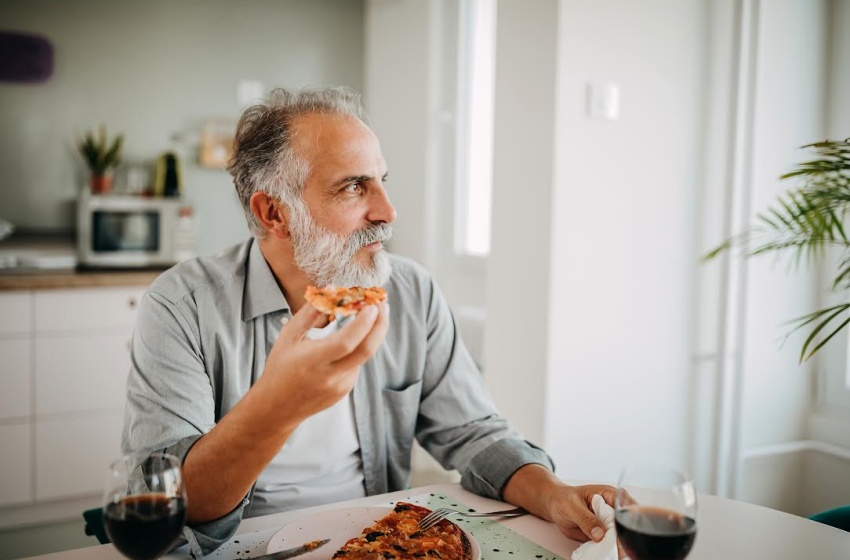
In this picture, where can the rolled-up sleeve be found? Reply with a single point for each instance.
(458, 421)
(170, 401)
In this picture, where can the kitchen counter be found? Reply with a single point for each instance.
(60, 279)
(48, 262)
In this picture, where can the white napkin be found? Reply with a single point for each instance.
(606, 549)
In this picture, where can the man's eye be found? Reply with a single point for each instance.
(353, 188)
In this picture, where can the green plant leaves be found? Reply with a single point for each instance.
(805, 221)
(99, 153)
(832, 313)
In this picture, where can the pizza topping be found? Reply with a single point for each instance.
(373, 535)
(343, 301)
(397, 535)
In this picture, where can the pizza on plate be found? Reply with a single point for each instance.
(343, 302)
(397, 535)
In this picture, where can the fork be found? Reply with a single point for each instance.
(439, 514)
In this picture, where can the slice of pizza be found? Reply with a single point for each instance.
(343, 302)
(397, 535)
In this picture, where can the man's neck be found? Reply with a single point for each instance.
(281, 261)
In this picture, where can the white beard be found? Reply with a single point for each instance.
(329, 259)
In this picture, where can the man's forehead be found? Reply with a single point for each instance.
(329, 137)
(323, 131)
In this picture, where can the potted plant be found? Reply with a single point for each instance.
(101, 155)
(806, 221)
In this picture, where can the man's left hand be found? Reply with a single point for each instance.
(570, 509)
(538, 490)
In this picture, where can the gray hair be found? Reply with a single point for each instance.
(263, 159)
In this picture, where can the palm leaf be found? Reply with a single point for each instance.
(827, 339)
(832, 313)
(842, 281)
(804, 222)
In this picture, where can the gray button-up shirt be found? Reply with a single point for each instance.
(202, 334)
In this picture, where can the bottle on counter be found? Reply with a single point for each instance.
(169, 176)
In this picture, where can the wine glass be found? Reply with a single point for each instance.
(655, 513)
(144, 505)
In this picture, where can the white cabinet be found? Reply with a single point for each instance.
(81, 346)
(64, 359)
(86, 309)
(72, 455)
(15, 312)
(15, 464)
(78, 373)
(15, 377)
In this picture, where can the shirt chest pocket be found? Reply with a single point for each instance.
(401, 409)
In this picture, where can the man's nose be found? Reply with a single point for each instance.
(381, 209)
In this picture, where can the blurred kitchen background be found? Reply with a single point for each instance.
(560, 166)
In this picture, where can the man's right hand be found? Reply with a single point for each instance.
(307, 376)
(301, 377)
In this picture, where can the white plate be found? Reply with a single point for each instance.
(338, 525)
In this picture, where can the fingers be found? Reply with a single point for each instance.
(344, 347)
(589, 524)
(370, 344)
(583, 515)
(574, 533)
(581, 522)
(608, 493)
(308, 317)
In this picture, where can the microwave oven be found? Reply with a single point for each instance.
(133, 232)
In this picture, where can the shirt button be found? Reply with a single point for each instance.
(284, 320)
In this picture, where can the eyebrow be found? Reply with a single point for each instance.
(352, 179)
(356, 179)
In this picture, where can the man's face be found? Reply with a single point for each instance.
(338, 233)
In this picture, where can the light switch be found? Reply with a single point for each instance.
(249, 92)
(603, 101)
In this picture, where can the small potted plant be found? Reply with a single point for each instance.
(101, 155)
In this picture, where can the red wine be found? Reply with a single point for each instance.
(144, 527)
(648, 533)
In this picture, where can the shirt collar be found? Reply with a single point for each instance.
(262, 294)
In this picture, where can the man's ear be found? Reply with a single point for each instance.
(271, 213)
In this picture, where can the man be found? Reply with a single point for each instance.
(268, 418)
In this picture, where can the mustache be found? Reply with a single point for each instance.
(371, 234)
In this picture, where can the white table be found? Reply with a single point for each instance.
(727, 530)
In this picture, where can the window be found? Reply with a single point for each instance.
(476, 49)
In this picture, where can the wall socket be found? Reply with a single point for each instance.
(603, 101)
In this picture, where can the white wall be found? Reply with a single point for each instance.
(788, 114)
(626, 209)
(838, 75)
(623, 261)
(826, 483)
(515, 349)
(623, 369)
(153, 70)
(833, 392)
